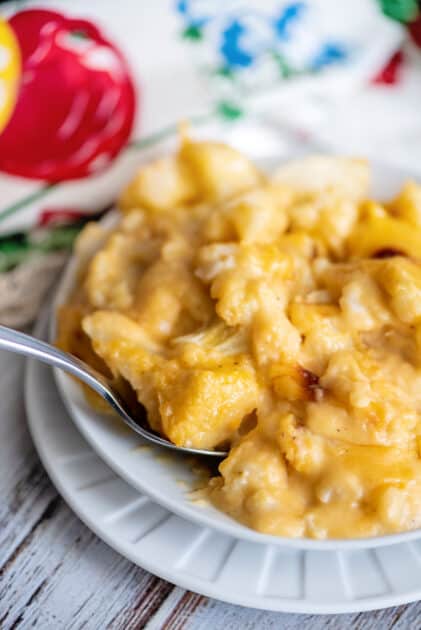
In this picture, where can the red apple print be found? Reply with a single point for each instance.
(76, 101)
(57, 216)
(390, 74)
(415, 30)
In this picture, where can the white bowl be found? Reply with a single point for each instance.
(199, 559)
(167, 477)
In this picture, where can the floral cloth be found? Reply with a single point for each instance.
(79, 90)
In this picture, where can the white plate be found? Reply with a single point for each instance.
(198, 558)
(159, 474)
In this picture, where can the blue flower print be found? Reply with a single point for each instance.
(182, 7)
(247, 46)
(289, 14)
(193, 17)
(329, 53)
(234, 55)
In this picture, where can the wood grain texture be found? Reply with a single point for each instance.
(55, 573)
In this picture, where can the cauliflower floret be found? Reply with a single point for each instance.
(219, 171)
(363, 303)
(170, 300)
(212, 260)
(253, 475)
(254, 487)
(407, 204)
(160, 185)
(89, 241)
(204, 407)
(113, 274)
(324, 331)
(392, 506)
(328, 217)
(208, 171)
(397, 502)
(317, 173)
(274, 339)
(301, 249)
(340, 486)
(246, 276)
(401, 279)
(257, 216)
(334, 276)
(211, 344)
(113, 271)
(302, 450)
(383, 412)
(128, 352)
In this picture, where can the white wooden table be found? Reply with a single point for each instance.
(54, 573)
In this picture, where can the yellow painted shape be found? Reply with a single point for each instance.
(10, 70)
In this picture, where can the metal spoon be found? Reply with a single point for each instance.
(29, 346)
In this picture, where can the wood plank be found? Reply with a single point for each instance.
(68, 577)
(24, 487)
(220, 616)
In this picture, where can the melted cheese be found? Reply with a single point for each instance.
(268, 316)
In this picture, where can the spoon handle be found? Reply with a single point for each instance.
(29, 346)
(20, 343)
